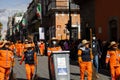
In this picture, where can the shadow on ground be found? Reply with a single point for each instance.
(20, 79)
(76, 74)
(75, 63)
(39, 78)
(104, 72)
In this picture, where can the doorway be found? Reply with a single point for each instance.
(113, 30)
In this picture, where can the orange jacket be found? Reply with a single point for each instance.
(50, 49)
(42, 46)
(113, 57)
(12, 47)
(6, 58)
(79, 58)
(19, 46)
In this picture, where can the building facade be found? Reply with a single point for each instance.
(56, 16)
(13, 27)
(9, 26)
(33, 19)
(107, 19)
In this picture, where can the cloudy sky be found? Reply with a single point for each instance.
(9, 7)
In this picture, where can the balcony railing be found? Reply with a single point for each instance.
(61, 5)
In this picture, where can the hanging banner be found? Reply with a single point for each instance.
(39, 10)
(23, 22)
(41, 33)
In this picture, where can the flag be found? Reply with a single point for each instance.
(38, 13)
(23, 22)
(18, 27)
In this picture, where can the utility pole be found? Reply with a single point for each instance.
(70, 20)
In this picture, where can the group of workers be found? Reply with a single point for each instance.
(26, 51)
(87, 57)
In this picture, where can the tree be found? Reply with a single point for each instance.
(1, 25)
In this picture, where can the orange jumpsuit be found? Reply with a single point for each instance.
(41, 48)
(50, 49)
(30, 68)
(6, 59)
(50, 62)
(12, 47)
(19, 49)
(85, 65)
(113, 56)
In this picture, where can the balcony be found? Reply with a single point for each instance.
(62, 5)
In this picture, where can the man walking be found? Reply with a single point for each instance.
(6, 59)
(96, 55)
(113, 57)
(30, 58)
(85, 60)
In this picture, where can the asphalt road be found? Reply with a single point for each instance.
(42, 70)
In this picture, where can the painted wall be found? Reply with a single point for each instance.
(105, 10)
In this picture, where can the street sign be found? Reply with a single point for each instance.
(41, 33)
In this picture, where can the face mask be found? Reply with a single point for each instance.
(94, 38)
(54, 42)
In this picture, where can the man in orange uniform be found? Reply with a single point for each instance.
(19, 48)
(41, 45)
(12, 47)
(53, 47)
(28, 42)
(6, 61)
(113, 56)
(30, 58)
(85, 60)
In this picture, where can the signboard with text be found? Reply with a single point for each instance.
(41, 33)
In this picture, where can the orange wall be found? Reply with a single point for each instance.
(61, 20)
(104, 10)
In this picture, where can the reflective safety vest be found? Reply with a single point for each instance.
(29, 57)
(85, 54)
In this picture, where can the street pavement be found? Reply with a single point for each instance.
(42, 70)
